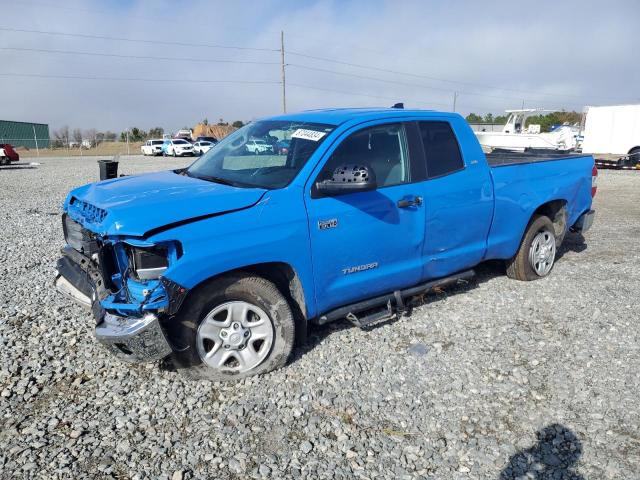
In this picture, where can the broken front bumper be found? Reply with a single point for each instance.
(130, 338)
(133, 339)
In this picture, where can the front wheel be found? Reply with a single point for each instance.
(537, 253)
(236, 326)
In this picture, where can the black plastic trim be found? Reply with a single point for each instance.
(176, 293)
(342, 312)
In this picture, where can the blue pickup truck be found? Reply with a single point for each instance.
(221, 265)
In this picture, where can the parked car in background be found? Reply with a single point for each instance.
(257, 146)
(282, 147)
(177, 147)
(152, 147)
(213, 140)
(185, 133)
(8, 154)
(202, 147)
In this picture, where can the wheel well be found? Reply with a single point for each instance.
(282, 275)
(286, 279)
(556, 210)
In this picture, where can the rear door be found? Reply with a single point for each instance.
(367, 243)
(458, 198)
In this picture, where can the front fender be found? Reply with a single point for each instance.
(274, 230)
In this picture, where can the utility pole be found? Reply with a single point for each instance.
(35, 137)
(455, 99)
(128, 152)
(282, 65)
(523, 104)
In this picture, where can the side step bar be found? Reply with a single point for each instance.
(395, 298)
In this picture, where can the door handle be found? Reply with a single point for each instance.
(410, 202)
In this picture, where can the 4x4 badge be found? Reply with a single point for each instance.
(324, 224)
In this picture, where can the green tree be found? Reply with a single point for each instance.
(135, 135)
(473, 118)
(548, 120)
(237, 124)
(488, 118)
(156, 132)
(205, 121)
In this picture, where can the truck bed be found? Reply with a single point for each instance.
(524, 180)
(499, 158)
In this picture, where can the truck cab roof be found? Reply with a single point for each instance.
(338, 116)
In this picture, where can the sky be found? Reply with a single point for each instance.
(113, 65)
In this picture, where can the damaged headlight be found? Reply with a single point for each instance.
(148, 263)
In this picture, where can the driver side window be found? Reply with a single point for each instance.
(381, 148)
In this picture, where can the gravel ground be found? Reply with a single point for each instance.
(491, 380)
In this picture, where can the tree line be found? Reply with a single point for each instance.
(65, 136)
(545, 121)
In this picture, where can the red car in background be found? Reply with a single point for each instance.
(8, 154)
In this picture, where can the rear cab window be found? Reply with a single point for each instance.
(441, 148)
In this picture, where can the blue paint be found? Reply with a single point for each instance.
(468, 216)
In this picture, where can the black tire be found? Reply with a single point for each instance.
(233, 287)
(519, 267)
(634, 156)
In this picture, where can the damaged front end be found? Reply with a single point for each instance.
(122, 280)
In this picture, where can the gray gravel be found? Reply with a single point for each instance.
(492, 380)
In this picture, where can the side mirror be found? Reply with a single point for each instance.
(348, 179)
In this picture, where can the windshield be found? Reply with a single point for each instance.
(179, 142)
(237, 160)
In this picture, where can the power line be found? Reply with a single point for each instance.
(137, 40)
(133, 79)
(299, 85)
(137, 57)
(313, 57)
(250, 62)
(395, 82)
(415, 75)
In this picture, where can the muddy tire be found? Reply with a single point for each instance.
(537, 252)
(236, 326)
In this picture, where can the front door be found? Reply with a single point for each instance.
(367, 243)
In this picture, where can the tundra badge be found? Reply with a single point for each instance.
(359, 268)
(324, 224)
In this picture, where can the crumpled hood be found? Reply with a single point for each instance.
(135, 205)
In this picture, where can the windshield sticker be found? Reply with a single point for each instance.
(308, 134)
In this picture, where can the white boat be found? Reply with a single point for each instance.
(515, 137)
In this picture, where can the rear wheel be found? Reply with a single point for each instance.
(537, 252)
(634, 155)
(234, 327)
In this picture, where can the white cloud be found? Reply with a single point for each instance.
(549, 54)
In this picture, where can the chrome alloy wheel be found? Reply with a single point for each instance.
(542, 252)
(235, 336)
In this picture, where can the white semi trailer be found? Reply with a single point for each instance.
(613, 131)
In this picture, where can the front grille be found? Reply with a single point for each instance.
(78, 237)
(89, 212)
